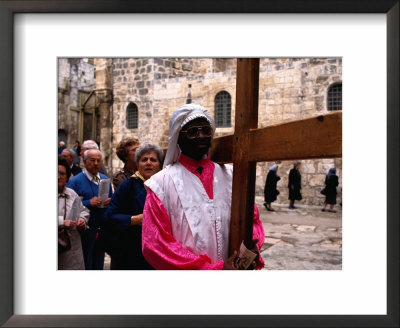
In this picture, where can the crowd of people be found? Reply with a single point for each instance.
(294, 184)
(163, 214)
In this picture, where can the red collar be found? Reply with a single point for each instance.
(191, 165)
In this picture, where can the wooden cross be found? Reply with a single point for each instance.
(316, 137)
(85, 109)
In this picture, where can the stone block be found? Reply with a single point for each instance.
(305, 228)
(284, 243)
(272, 241)
(307, 168)
(176, 65)
(322, 78)
(319, 103)
(316, 180)
(309, 105)
(330, 69)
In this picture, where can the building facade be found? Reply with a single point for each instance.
(137, 96)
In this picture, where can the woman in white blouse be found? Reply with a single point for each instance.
(73, 218)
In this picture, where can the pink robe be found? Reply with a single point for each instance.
(159, 246)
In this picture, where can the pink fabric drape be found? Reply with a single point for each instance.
(163, 252)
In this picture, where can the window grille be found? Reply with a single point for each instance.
(132, 116)
(335, 97)
(222, 107)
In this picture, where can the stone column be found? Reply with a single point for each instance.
(104, 94)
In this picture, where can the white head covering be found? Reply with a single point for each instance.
(180, 118)
(273, 167)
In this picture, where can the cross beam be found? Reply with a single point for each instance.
(82, 110)
(317, 137)
(314, 137)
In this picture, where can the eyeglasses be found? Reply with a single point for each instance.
(194, 131)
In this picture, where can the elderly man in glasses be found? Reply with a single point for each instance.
(188, 206)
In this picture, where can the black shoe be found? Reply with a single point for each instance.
(323, 210)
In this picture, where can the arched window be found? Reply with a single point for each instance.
(335, 97)
(132, 116)
(222, 107)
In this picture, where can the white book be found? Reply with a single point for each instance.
(104, 187)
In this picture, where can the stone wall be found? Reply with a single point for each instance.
(290, 89)
(104, 96)
(132, 83)
(293, 89)
(74, 75)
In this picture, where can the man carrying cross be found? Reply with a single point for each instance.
(186, 219)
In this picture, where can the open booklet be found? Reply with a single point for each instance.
(104, 187)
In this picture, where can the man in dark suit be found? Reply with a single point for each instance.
(69, 155)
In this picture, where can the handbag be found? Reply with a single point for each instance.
(64, 240)
(323, 191)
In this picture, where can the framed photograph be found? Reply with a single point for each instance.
(35, 34)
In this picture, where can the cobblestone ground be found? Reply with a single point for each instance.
(301, 239)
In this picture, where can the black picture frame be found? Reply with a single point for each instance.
(7, 11)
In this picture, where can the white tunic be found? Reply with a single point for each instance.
(199, 223)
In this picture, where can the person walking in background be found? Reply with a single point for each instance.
(77, 150)
(69, 155)
(331, 182)
(126, 151)
(61, 147)
(294, 184)
(270, 191)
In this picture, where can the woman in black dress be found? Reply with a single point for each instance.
(270, 191)
(294, 184)
(331, 182)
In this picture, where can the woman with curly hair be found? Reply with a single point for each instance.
(126, 151)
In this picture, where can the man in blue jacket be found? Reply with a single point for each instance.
(86, 185)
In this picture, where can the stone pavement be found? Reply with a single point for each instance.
(301, 239)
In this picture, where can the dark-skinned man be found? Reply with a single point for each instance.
(188, 206)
